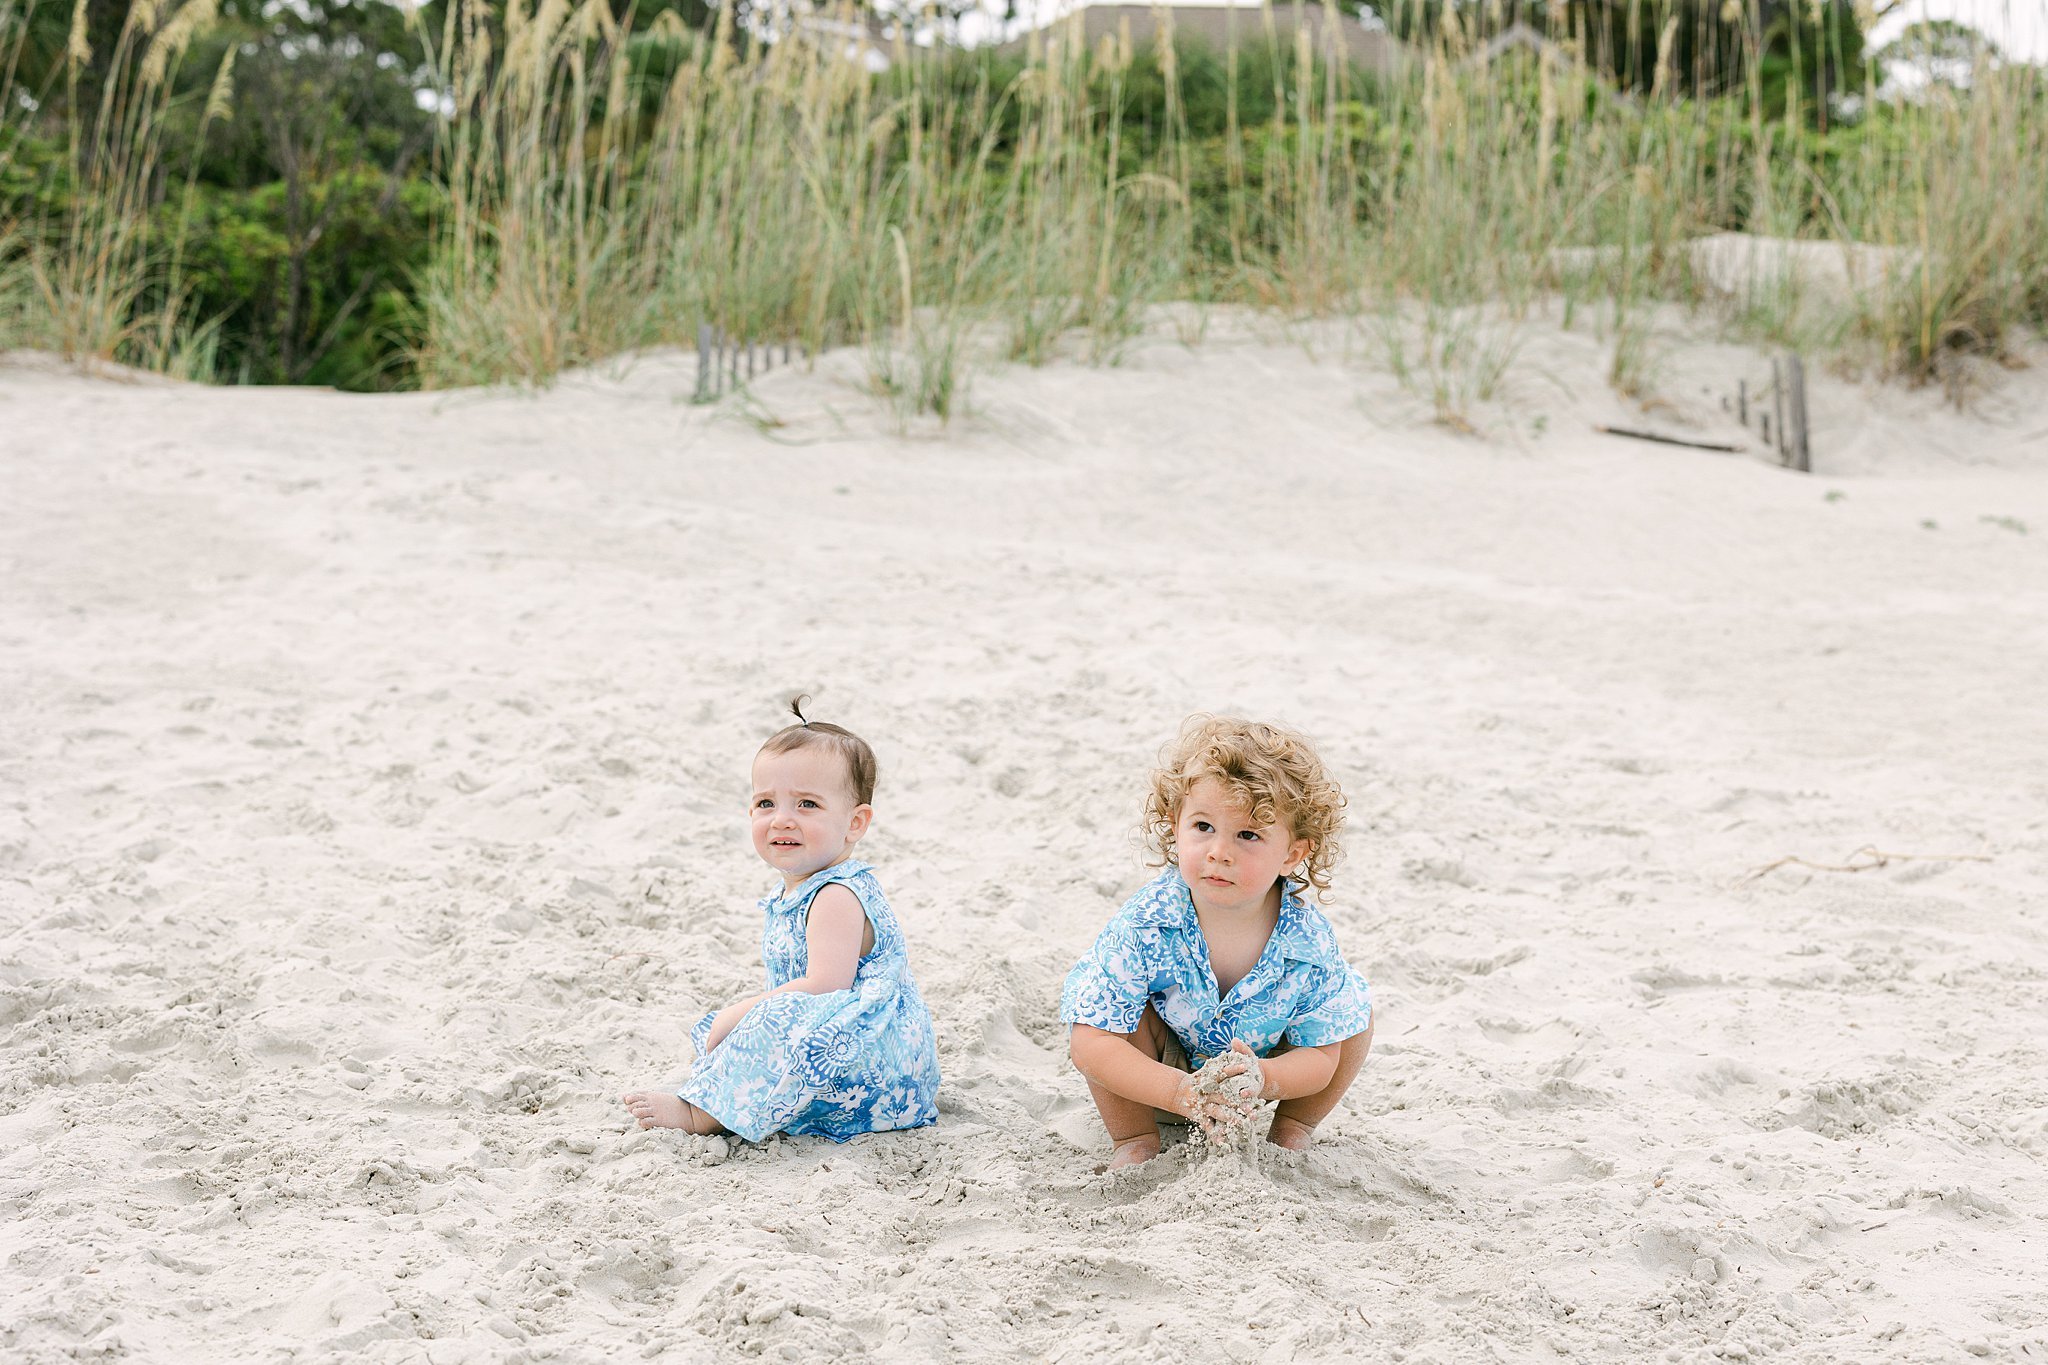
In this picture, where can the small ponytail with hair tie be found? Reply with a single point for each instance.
(851, 748)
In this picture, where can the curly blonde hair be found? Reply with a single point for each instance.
(1271, 771)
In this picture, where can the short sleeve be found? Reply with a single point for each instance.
(1338, 1006)
(1110, 986)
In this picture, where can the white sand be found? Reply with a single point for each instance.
(371, 814)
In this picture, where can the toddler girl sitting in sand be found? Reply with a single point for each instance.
(1218, 965)
(840, 1042)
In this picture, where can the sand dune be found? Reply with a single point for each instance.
(370, 815)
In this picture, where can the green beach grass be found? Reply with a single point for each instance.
(603, 190)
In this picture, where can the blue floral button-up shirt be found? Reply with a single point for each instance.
(1300, 990)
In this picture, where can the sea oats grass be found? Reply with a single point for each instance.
(602, 188)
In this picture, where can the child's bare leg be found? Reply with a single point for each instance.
(1133, 1129)
(660, 1109)
(1294, 1122)
(1133, 1133)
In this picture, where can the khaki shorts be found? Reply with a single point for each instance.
(1175, 1056)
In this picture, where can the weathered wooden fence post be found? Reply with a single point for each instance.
(1782, 420)
(1778, 407)
(1798, 455)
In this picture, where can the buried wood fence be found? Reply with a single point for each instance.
(1783, 421)
(724, 362)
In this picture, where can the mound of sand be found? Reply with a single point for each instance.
(372, 816)
(1742, 265)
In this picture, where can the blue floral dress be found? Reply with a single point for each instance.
(862, 1060)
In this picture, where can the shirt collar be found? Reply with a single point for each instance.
(1301, 934)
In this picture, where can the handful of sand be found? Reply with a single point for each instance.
(1232, 1082)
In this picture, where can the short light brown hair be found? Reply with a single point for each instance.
(1273, 772)
(852, 750)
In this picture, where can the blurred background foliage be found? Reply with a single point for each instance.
(298, 194)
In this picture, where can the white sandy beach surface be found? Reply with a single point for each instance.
(372, 814)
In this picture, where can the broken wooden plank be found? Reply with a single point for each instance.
(1667, 440)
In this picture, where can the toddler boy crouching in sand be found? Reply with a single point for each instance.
(1218, 963)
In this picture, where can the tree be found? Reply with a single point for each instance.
(327, 127)
(1707, 47)
(1943, 52)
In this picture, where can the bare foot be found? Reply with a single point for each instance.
(1295, 1136)
(658, 1109)
(1132, 1151)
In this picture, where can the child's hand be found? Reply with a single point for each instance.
(1223, 1094)
(1257, 1088)
(1205, 1109)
